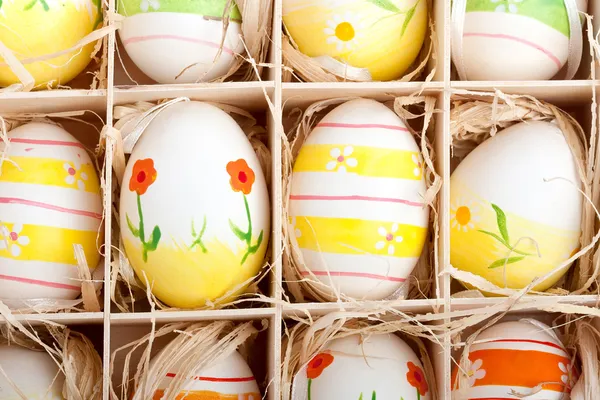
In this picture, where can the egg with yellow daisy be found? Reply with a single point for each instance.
(358, 39)
(516, 207)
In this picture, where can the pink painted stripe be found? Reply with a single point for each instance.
(359, 198)
(354, 275)
(39, 283)
(359, 126)
(13, 200)
(138, 39)
(213, 379)
(520, 40)
(48, 142)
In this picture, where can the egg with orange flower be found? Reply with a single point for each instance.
(194, 207)
(381, 366)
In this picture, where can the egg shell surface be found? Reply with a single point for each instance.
(194, 206)
(230, 379)
(518, 189)
(33, 372)
(34, 28)
(380, 366)
(515, 40)
(356, 203)
(50, 200)
(383, 37)
(518, 356)
(177, 41)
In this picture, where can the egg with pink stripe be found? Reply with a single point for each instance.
(50, 201)
(358, 222)
(176, 41)
(514, 39)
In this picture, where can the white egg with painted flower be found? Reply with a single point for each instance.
(356, 204)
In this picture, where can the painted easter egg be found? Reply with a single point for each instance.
(34, 372)
(515, 39)
(178, 41)
(356, 202)
(34, 28)
(231, 379)
(374, 40)
(50, 200)
(504, 226)
(517, 356)
(380, 366)
(194, 206)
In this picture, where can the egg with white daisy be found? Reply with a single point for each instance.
(358, 39)
(516, 207)
(358, 221)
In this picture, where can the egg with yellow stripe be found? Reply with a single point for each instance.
(356, 204)
(50, 200)
(34, 28)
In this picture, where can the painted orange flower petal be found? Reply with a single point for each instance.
(318, 364)
(242, 176)
(416, 378)
(143, 175)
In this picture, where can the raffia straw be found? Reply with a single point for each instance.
(309, 336)
(194, 348)
(91, 282)
(256, 31)
(73, 353)
(309, 287)
(27, 82)
(300, 67)
(131, 121)
(477, 116)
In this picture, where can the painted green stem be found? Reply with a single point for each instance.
(247, 236)
(309, 385)
(140, 233)
(418, 395)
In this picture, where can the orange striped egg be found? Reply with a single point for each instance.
(230, 379)
(515, 357)
(356, 205)
(49, 201)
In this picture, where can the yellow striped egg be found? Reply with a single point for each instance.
(34, 28)
(49, 201)
(356, 204)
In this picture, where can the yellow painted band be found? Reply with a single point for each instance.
(47, 244)
(359, 237)
(49, 171)
(361, 160)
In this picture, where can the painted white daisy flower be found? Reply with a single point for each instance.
(12, 239)
(389, 238)
(87, 4)
(475, 372)
(464, 215)
(341, 159)
(507, 5)
(145, 5)
(75, 175)
(344, 31)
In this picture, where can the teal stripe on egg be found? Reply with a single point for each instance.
(550, 12)
(208, 8)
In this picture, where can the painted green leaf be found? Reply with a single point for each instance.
(0, 3)
(386, 5)
(409, 15)
(360, 398)
(237, 231)
(501, 217)
(154, 239)
(259, 241)
(495, 236)
(374, 396)
(132, 228)
(505, 261)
